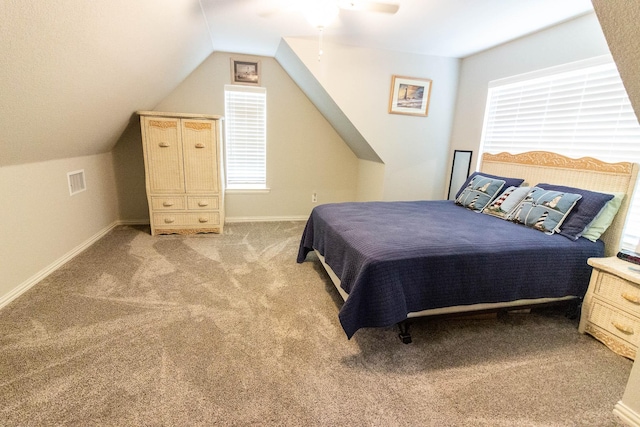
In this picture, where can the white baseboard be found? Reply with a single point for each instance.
(626, 414)
(265, 218)
(133, 222)
(27, 284)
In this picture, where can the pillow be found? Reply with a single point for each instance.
(508, 182)
(505, 203)
(586, 209)
(604, 219)
(479, 193)
(545, 210)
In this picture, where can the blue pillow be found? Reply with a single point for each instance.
(545, 210)
(480, 192)
(586, 209)
(508, 182)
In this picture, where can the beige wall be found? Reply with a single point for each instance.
(40, 223)
(370, 181)
(413, 149)
(129, 166)
(304, 153)
(574, 40)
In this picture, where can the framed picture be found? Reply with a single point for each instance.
(409, 95)
(245, 72)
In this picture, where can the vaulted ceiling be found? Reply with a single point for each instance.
(74, 72)
(453, 28)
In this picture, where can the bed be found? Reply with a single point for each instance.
(392, 261)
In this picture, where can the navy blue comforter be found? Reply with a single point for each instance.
(393, 258)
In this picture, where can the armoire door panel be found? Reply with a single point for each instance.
(200, 156)
(165, 154)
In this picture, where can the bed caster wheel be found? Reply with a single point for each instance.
(404, 334)
(405, 338)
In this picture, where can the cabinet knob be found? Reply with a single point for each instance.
(623, 328)
(169, 220)
(163, 144)
(203, 203)
(167, 204)
(199, 145)
(203, 219)
(631, 298)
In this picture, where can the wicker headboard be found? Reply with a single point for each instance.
(587, 173)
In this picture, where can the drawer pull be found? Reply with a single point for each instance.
(631, 298)
(203, 203)
(163, 144)
(169, 220)
(623, 328)
(203, 219)
(167, 204)
(199, 145)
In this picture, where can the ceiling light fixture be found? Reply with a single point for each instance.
(320, 14)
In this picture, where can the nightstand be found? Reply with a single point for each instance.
(611, 308)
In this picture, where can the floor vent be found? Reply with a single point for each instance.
(77, 183)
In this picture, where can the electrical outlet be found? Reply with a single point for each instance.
(314, 197)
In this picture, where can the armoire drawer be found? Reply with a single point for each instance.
(167, 203)
(187, 219)
(203, 203)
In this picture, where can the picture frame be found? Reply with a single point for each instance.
(410, 96)
(245, 72)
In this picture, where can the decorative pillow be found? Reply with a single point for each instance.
(604, 219)
(505, 203)
(545, 210)
(479, 193)
(508, 182)
(586, 209)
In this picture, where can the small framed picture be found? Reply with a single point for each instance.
(409, 95)
(245, 72)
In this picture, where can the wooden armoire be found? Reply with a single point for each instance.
(183, 171)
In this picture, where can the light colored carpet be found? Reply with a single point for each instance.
(229, 330)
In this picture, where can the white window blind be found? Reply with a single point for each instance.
(577, 110)
(246, 136)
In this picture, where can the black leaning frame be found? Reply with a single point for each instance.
(453, 169)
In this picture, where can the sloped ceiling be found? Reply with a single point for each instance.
(620, 23)
(451, 28)
(74, 71)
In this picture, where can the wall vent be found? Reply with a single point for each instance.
(77, 183)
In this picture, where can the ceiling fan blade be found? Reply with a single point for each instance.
(368, 6)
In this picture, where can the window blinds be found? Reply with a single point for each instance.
(245, 136)
(577, 110)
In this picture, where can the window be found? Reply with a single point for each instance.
(245, 137)
(579, 109)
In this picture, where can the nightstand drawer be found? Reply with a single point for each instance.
(619, 291)
(616, 323)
